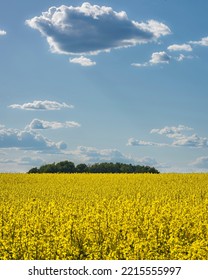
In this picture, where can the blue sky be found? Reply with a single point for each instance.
(122, 81)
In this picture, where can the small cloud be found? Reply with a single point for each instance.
(90, 29)
(182, 57)
(202, 42)
(41, 124)
(83, 61)
(2, 32)
(156, 58)
(183, 47)
(160, 57)
(41, 105)
(146, 64)
(135, 142)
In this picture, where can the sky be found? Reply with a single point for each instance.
(104, 81)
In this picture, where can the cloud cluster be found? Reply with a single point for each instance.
(90, 29)
(179, 139)
(28, 140)
(193, 141)
(164, 58)
(93, 155)
(41, 105)
(159, 58)
(41, 124)
(188, 46)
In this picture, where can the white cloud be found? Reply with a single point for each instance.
(146, 64)
(182, 57)
(156, 58)
(193, 141)
(171, 131)
(183, 47)
(181, 139)
(175, 133)
(2, 32)
(159, 57)
(28, 140)
(157, 28)
(41, 124)
(94, 155)
(135, 142)
(83, 61)
(202, 42)
(89, 29)
(41, 105)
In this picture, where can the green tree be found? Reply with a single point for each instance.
(65, 167)
(81, 168)
(104, 167)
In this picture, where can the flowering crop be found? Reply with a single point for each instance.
(103, 216)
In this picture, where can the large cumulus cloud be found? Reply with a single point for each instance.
(89, 29)
(28, 140)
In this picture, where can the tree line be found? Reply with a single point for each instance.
(105, 167)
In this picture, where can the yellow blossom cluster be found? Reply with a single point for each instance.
(103, 216)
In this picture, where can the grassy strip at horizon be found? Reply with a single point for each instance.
(103, 216)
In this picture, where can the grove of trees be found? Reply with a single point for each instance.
(105, 167)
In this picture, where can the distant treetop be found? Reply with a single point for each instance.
(105, 167)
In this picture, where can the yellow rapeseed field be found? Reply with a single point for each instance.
(103, 216)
